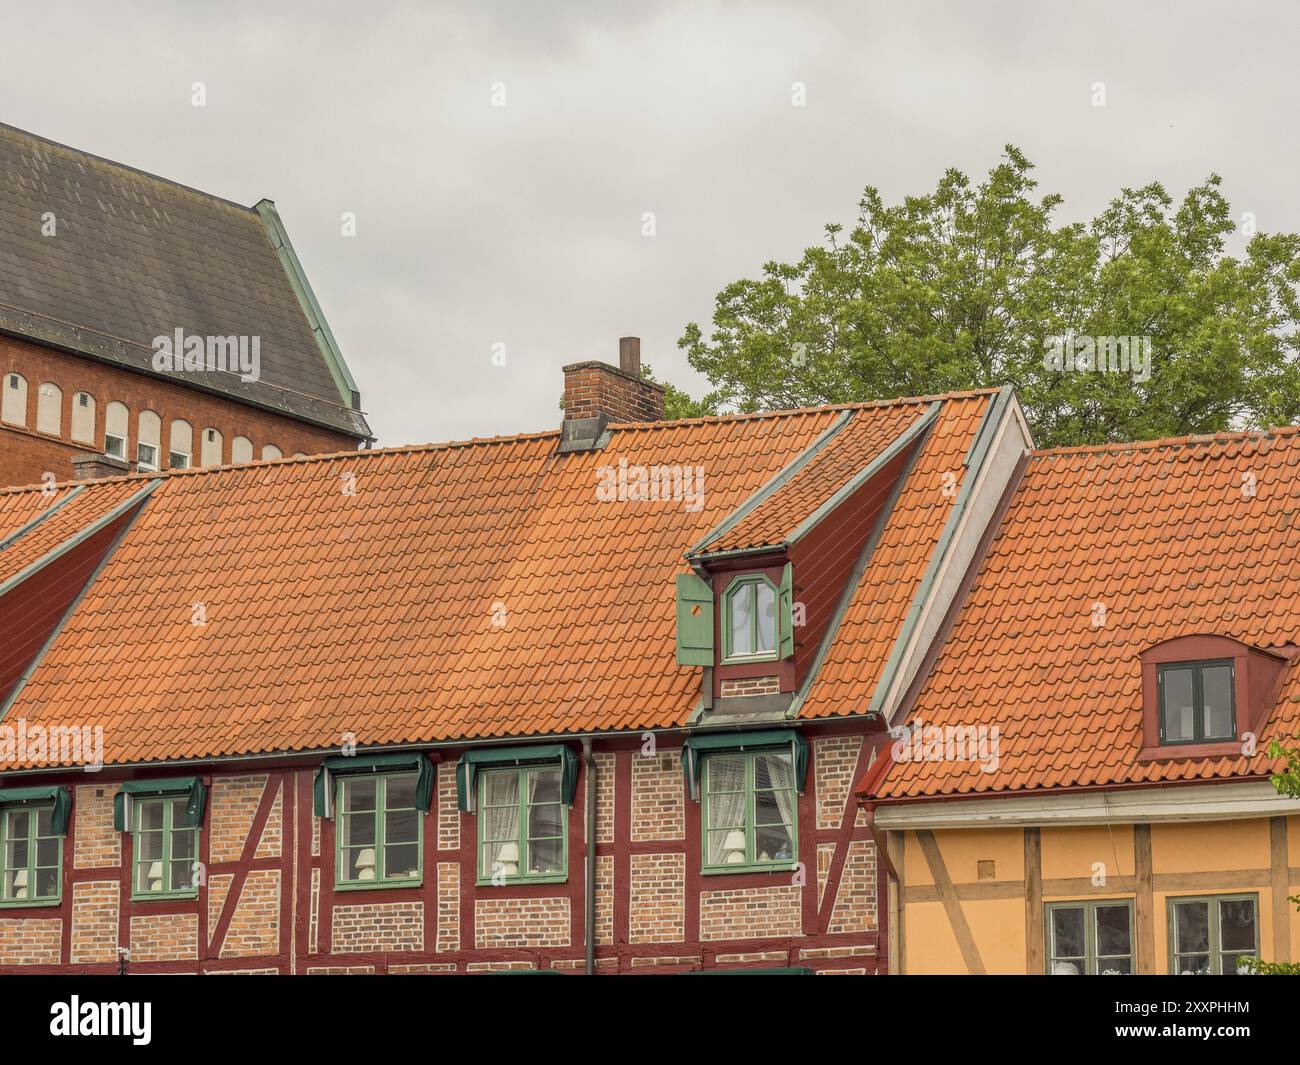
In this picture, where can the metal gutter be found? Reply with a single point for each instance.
(31, 523)
(79, 538)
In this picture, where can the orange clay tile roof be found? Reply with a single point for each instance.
(1165, 537)
(875, 615)
(865, 434)
(464, 590)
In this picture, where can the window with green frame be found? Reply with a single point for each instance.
(749, 619)
(750, 811)
(1209, 935)
(165, 848)
(379, 834)
(1197, 702)
(1090, 938)
(523, 826)
(31, 857)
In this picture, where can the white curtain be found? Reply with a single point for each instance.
(726, 799)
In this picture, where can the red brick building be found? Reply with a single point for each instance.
(99, 262)
(586, 700)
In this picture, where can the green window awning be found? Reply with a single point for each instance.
(704, 743)
(193, 786)
(56, 794)
(495, 757)
(376, 762)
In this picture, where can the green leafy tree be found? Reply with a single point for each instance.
(966, 286)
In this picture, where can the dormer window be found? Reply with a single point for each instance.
(1204, 696)
(749, 619)
(1197, 703)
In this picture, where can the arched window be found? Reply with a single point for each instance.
(180, 445)
(241, 449)
(749, 618)
(148, 437)
(210, 448)
(116, 417)
(83, 417)
(270, 451)
(13, 408)
(49, 409)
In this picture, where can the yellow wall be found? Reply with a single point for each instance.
(1188, 858)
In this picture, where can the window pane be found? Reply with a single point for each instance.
(19, 824)
(359, 863)
(1237, 924)
(402, 861)
(1115, 966)
(547, 820)
(359, 795)
(47, 882)
(1113, 930)
(772, 771)
(773, 844)
(766, 617)
(151, 816)
(1231, 964)
(359, 830)
(1192, 927)
(500, 789)
(399, 793)
(501, 858)
(1178, 711)
(181, 872)
(773, 807)
(500, 823)
(742, 609)
(546, 856)
(47, 852)
(1192, 965)
(1067, 932)
(726, 772)
(402, 826)
(1216, 687)
(16, 851)
(544, 785)
(727, 847)
(45, 822)
(148, 846)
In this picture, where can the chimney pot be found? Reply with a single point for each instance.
(629, 355)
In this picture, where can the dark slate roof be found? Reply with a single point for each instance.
(136, 256)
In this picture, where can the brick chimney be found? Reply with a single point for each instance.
(88, 466)
(596, 394)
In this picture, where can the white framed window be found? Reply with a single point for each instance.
(148, 440)
(116, 418)
(13, 407)
(181, 445)
(1090, 938)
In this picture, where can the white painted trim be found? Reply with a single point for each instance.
(1223, 801)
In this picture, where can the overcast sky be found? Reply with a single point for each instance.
(522, 224)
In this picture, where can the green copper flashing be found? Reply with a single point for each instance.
(782, 476)
(320, 328)
(29, 525)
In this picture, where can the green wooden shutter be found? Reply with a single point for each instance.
(785, 604)
(694, 621)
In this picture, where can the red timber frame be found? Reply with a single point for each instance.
(845, 951)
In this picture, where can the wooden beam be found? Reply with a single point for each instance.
(976, 891)
(1279, 874)
(1144, 919)
(951, 905)
(897, 904)
(1034, 941)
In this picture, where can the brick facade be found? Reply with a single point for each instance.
(268, 900)
(26, 455)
